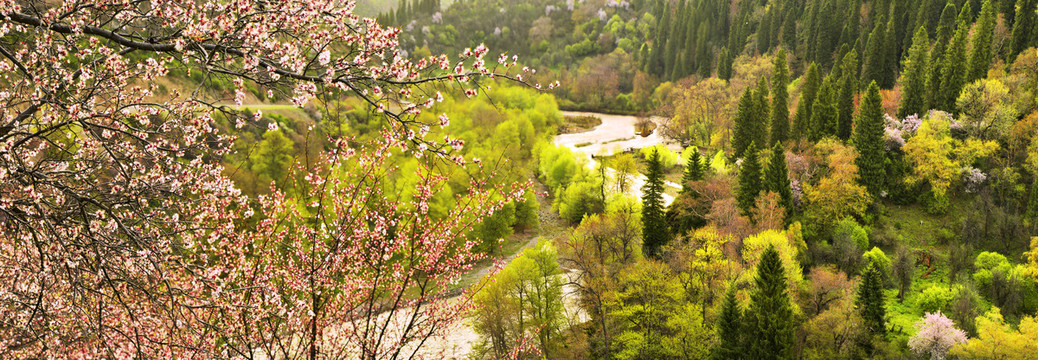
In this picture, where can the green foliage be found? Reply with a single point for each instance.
(808, 92)
(776, 177)
(750, 181)
(954, 67)
(848, 88)
(729, 329)
(494, 228)
(1023, 25)
(868, 139)
(913, 99)
(980, 57)
(779, 100)
(667, 158)
(933, 299)
(694, 169)
(871, 300)
(824, 113)
(745, 123)
(654, 232)
(848, 227)
(877, 52)
(769, 318)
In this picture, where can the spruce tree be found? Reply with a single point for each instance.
(750, 182)
(654, 230)
(1032, 203)
(980, 57)
(871, 300)
(945, 30)
(744, 114)
(913, 91)
(954, 67)
(724, 64)
(693, 170)
(1023, 26)
(769, 318)
(808, 91)
(779, 100)
(776, 177)
(761, 113)
(824, 113)
(845, 99)
(729, 329)
(875, 54)
(868, 139)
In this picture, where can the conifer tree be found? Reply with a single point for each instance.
(945, 30)
(980, 57)
(769, 318)
(750, 181)
(875, 54)
(868, 139)
(654, 230)
(808, 92)
(761, 113)
(845, 99)
(954, 66)
(724, 64)
(824, 113)
(743, 131)
(657, 64)
(913, 91)
(693, 170)
(779, 99)
(1032, 203)
(729, 329)
(776, 177)
(871, 300)
(1023, 26)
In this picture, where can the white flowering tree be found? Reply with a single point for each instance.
(121, 238)
(937, 334)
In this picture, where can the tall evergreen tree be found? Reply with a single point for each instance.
(954, 67)
(845, 99)
(871, 300)
(750, 181)
(779, 99)
(868, 139)
(654, 230)
(824, 113)
(769, 318)
(808, 92)
(657, 64)
(913, 91)
(1032, 203)
(729, 329)
(762, 112)
(1023, 26)
(724, 64)
(980, 57)
(945, 31)
(876, 54)
(694, 170)
(776, 177)
(743, 129)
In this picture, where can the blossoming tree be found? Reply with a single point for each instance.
(121, 238)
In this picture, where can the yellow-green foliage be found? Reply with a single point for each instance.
(754, 246)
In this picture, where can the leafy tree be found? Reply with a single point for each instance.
(871, 300)
(848, 88)
(937, 334)
(769, 318)
(904, 271)
(913, 92)
(868, 139)
(750, 183)
(938, 158)
(998, 340)
(776, 177)
(837, 195)
(836, 331)
(654, 232)
(779, 100)
(808, 92)
(729, 329)
(1023, 26)
(980, 57)
(984, 110)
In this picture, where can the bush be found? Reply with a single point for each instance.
(934, 299)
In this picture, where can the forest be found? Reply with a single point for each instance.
(519, 179)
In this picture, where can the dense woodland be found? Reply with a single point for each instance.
(850, 179)
(857, 179)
